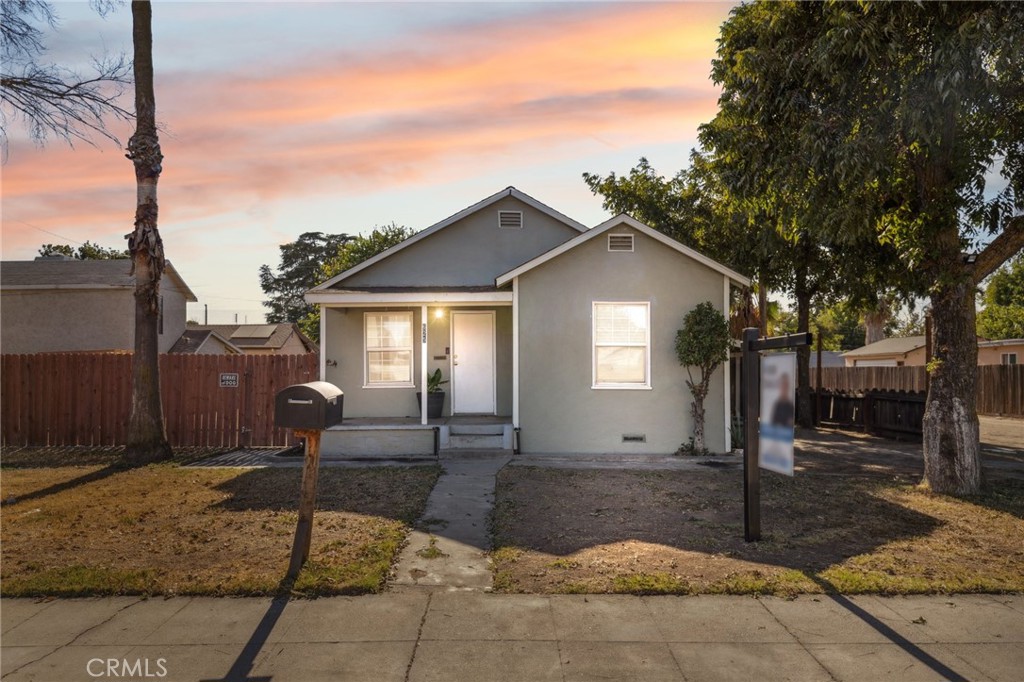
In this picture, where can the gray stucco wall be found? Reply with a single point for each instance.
(44, 321)
(559, 409)
(470, 252)
(345, 346)
(68, 320)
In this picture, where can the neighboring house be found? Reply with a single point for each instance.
(1001, 352)
(54, 304)
(909, 351)
(204, 342)
(558, 334)
(282, 338)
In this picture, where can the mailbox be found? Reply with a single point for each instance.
(313, 406)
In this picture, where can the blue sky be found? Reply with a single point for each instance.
(281, 118)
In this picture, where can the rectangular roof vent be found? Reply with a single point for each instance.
(620, 242)
(510, 220)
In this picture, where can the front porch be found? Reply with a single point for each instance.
(405, 437)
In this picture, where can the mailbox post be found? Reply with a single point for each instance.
(307, 409)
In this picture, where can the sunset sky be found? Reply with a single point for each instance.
(281, 118)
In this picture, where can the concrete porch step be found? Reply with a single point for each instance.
(473, 441)
(477, 429)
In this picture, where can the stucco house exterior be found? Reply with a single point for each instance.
(554, 338)
(56, 304)
(909, 351)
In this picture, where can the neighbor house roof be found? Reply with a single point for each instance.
(1000, 342)
(60, 273)
(423, 234)
(244, 336)
(193, 339)
(621, 219)
(893, 346)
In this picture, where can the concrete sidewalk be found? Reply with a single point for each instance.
(476, 636)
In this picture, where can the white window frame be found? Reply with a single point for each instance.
(411, 348)
(1005, 358)
(632, 386)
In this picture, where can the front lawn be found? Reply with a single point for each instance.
(833, 527)
(169, 529)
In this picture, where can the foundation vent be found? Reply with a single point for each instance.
(634, 438)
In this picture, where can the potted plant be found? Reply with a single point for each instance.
(435, 396)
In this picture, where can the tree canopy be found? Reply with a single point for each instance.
(86, 251)
(349, 254)
(1003, 316)
(883, 123)
(300, 269)
(52, 99)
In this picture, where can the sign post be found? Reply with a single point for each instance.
(752, 347)
(307, 502)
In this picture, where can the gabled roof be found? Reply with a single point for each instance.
(192, 340)
(621, 219)
(423, 234)
(255, 335)
(59, 273)
(893, 346)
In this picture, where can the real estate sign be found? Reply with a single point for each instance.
(778, 412)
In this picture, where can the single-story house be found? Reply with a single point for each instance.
(59, 304)
(204, 342)
(280, 338)
(909, 351)
(553, 338)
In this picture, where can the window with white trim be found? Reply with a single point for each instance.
(1009, 358)
(622, 345)
(388, 343)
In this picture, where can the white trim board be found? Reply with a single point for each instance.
(437, 298)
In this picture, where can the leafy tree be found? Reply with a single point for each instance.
(51, 99)
(703, 343)
(300, 270)
(350, 254)
(1003, 316)
(87, 251)
(147, 441)
(882, 121)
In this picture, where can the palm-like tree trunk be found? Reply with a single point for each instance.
(147, 441)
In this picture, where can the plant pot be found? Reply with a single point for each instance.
(435, 403)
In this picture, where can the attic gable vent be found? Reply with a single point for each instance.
(620, 242)
(510, 220)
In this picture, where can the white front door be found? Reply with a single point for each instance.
(473, 362)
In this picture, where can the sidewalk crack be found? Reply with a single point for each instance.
(798, 640)
(419, 634)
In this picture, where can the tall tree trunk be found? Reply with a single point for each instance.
(147, 441)
(875, 321)
(697, 411)
(762, 303)
(952, 461)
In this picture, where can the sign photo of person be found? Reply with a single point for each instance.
(778, 412)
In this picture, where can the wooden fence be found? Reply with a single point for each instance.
(1000, 387)
(85, 398)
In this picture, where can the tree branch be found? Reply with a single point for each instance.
(1000, 249)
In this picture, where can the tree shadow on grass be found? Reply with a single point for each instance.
(398, 493)
(63, 486)
(807, 523)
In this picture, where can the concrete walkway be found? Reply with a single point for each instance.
(450, 549)
(450, 636)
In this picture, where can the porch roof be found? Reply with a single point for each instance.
(473, 295)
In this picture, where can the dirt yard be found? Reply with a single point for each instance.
(169, 529)
(853, 519)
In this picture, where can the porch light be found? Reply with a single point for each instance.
(438, 313)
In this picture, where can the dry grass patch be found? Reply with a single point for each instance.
(681, 532)
(167, 529)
